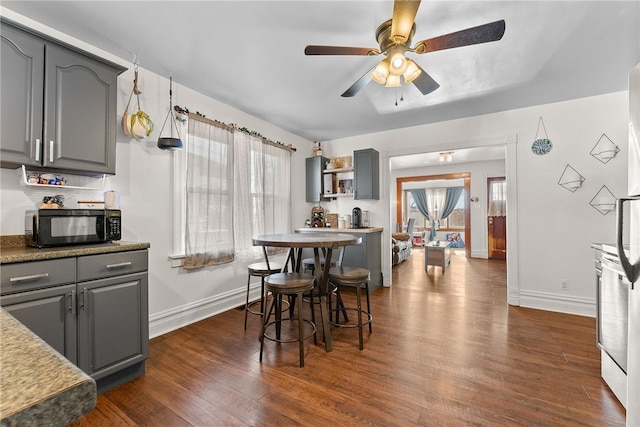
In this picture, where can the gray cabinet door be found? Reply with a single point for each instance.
(113, 324)
(48, 313)
(366, 255)
(315, 181)
(366, 174)
(80, 107)
(22, 86)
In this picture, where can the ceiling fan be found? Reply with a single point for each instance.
(394, 37)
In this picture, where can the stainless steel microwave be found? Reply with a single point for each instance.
(62, 227)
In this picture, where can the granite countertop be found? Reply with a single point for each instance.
(12, 253)
(340, 230)
(39, 386)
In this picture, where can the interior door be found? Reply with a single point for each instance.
(497, 218)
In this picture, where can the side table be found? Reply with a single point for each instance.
(437, 253)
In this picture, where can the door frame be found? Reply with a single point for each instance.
(466, 176)
(509, 142)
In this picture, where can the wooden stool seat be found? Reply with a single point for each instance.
(353, 277)
(289, 284)
(262, 270)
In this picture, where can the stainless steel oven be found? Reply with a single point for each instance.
(612, 320)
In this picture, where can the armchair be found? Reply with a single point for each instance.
(401, 243)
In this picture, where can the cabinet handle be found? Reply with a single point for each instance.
(51, 151)
(83, 299)
(38, 149)
(71, 302)
(31, 277)
(119, 265)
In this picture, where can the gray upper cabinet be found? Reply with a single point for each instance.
(315, 179)
(22, 86)
(366, 166)
(58, 105)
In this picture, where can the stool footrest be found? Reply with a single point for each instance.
(350, 325)
(296, 339)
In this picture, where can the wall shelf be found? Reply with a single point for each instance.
(76, 182)
(340, 170)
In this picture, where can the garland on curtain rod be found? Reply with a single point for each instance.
(232, 127)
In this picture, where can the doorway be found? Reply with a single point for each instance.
(464, 176)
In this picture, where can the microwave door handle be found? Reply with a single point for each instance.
(632, 271)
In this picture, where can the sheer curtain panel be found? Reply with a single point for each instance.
(497, 198)
(262, 192)
(209, 237)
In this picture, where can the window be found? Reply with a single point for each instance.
(228, 187)
(455, 221)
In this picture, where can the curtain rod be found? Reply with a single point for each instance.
(233, 128)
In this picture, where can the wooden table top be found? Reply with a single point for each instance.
(307, 240)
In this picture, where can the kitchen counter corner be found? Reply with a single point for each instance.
(39, 386)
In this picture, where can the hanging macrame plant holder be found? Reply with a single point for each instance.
(171, 142)
(138, 125)
(541, 146)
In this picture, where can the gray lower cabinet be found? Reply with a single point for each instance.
(366, 255)
(50, 314)
(113, 314)
(99, 321)
(366, 167)
(58, 105)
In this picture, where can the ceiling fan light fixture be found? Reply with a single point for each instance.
(393, 81)
(381, 72)
(397, 61)
(412, 72)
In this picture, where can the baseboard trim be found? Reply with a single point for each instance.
(480, 254)
(557, 302)
(179, 317)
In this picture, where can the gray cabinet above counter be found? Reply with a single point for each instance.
(58, 104)
(365, 177)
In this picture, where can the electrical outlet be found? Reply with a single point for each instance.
(564, 284)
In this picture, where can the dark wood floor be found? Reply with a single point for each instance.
(446, 350)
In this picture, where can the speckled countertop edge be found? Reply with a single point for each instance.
(12, 254)
(39, 386)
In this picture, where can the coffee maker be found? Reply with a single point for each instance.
(356, 218)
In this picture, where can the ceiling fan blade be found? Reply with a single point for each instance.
(475, 35)
(340, 50)
(404, 15)
(425, 82)
(359, 84)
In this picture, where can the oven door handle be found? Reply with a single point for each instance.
(632, 271)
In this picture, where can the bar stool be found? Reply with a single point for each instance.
(352, 277)
(292, 285)
(261, 270)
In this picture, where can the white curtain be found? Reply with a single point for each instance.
(262, 192)
(497, 198)
(209, 194)
(436, 198)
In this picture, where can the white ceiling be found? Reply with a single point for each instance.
(250, 55)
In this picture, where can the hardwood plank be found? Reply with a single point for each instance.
(446, 349)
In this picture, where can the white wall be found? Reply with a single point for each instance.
(479, 171)
(554, 226)
(144, 180)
